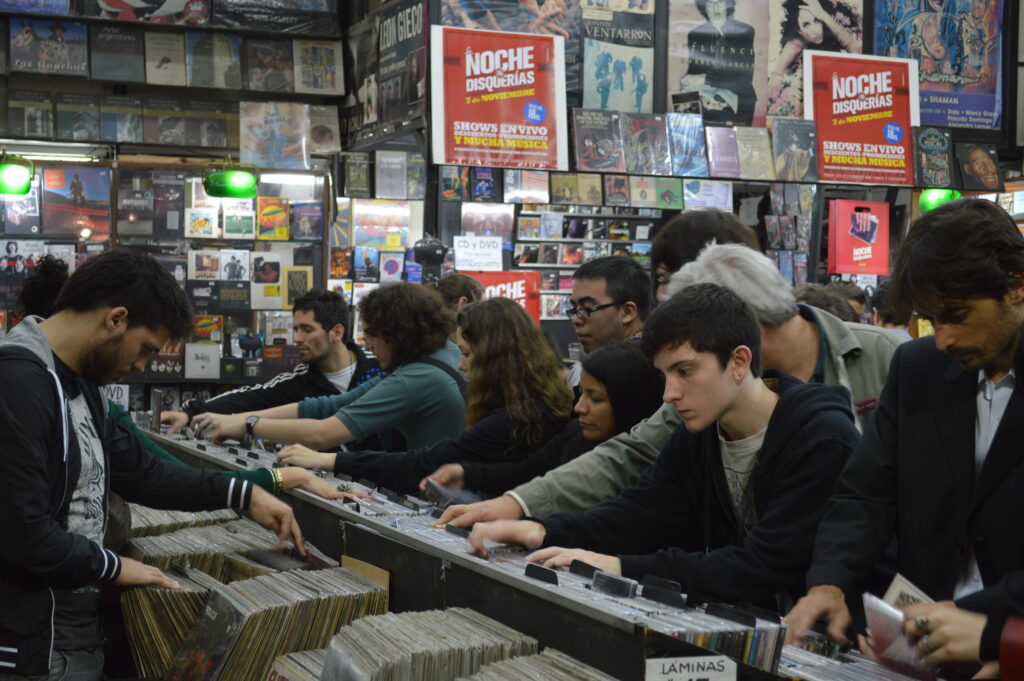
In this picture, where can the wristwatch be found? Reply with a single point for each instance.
(250, 423)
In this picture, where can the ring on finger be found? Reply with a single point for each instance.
(928, 643)
(921, 624)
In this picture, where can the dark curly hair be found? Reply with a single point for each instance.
(513, 367)
(681, 239)
(412, 319)
(39, 290)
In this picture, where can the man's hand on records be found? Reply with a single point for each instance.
(277, 516)
(556, 557)
(527, 533)
(299, 455)
(175, 419)
(219, 427)
(944, 633)
(450, 474)
(293, 477)
(822, 602)
(134, 573)
(504, 507)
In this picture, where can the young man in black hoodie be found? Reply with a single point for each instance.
(62, 454)
(730, 506)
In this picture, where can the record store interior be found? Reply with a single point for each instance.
(481, 340)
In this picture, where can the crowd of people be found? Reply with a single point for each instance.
(760, 445)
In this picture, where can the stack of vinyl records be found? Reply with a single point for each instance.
(550, 665)
(426, 646)
(248, 623)
(158, 619)
(305, 665)
(147, 522)
(217, 550)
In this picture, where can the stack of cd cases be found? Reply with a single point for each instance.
(147, 522)
(550, 665)
(797, 663)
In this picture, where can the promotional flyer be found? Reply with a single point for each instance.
(863, 108)
(858, 237)
(499, 99)
(521, 286)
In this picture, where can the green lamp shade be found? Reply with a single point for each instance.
(15, 177)
(933, 198)
(231, 183)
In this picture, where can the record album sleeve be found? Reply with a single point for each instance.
(163, 121)
(390, 171)
(78, 117)
(979, 167)
(646, 144)
(165, 58)
(318, 67)
(723, 152)
(51, 47)
(795, 147)
(325, 135)
(30, 114)
(117, 53)
(121, 118)
(597, 139)
(616, 190)
(756, 161)
(270, 66)
(686, 135)
(213, 60)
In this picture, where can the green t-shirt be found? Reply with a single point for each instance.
(418, 400)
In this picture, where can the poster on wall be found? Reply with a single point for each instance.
(551, 17)
(521, 286)
(618, 60)
(863, 108)
(958, 48)
(724, 58)
(402, 66)
(499, 99)
(833, 26)
(858, 237)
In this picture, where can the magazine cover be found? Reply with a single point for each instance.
(56, 48)
(795, 148)
(686, 135)
(616, 190)
(588, 187)
(455, 183)
(272, 218)
(266, 280)
(834, 26)
(270, 66)
(120, 118)
(324, 133)
(366, 261)
(485, 185)
(723, 58)
(979, 167)
(618, 60)
(723, 152)
(597, 139)
(152, 11)
(341, 263)
(117, 53)
(307, 218)
(213, 60)
(201, 223)
(669, 193)
(933, 156)
(165, 58)
(275, 134)
(646, 144)
(392, 264)
(642, 192)
(30, 114)
(756, 161)
(78, 117)
(76, 202)
(564, 188)
(390, 171)
(318, 67)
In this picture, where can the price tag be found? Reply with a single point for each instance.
(478, 253)
(698, 668)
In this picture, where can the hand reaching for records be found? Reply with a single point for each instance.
(277, 516)
(175, 419)
(134, 573)
(943, 632)
(528, 533)
(450, 474)
(219, 427)
(300, 455)
(822, 602)
(293, 477)
(556, 556)
(464, 515)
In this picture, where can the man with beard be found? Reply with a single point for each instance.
(63, 454)
(940, 465)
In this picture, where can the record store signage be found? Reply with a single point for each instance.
(696, 668)
(498, 99)
(863, 108)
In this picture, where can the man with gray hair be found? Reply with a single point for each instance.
(800, 340)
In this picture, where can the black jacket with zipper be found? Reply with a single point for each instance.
(41, 464)
(677, 521)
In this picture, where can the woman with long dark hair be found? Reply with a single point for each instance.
(619, 387)
(516, 400)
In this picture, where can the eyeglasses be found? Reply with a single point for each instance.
(584, 312)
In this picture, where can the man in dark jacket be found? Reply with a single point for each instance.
(729, 506)
(331, 364)
(62, 454)
(940, 466)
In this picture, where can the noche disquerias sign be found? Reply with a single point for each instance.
(498, 99)
(863, 108)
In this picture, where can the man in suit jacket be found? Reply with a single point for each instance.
(941, 465)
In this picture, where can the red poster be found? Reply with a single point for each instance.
(858, 237)
(498, 99)
(863, 108)
(522, 287)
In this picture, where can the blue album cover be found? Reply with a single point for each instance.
(686, 138)
(51, 7)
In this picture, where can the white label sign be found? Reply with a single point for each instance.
(478, 253)
(698, 668)
(116, 393)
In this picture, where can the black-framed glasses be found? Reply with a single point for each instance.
(584, 312)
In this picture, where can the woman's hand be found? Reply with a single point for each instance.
(219, 427)
(293, 477)
(300, 455)
(450, 474)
